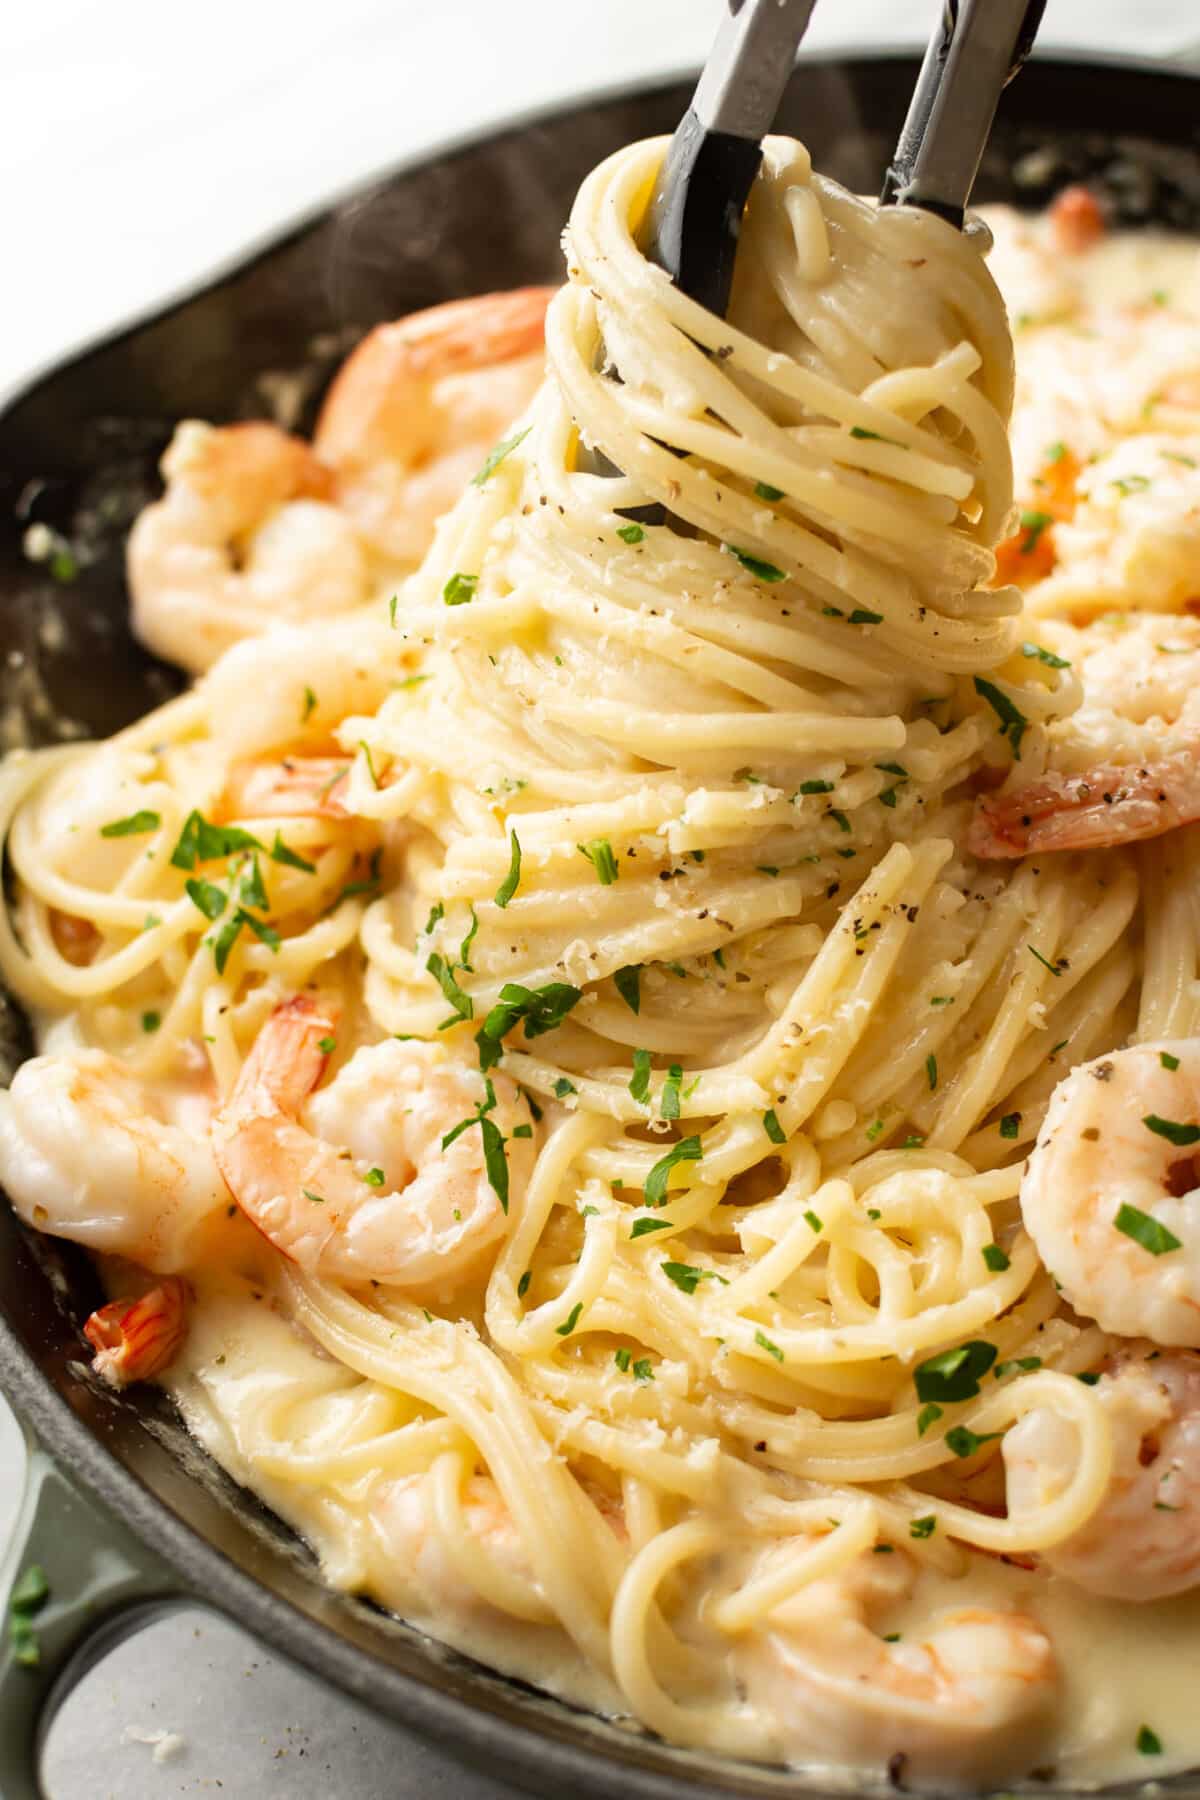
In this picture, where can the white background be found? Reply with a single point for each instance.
(142, 144)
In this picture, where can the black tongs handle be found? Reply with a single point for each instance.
(695, 216)
(976, 49)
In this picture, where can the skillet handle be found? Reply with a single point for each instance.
(103, 1585)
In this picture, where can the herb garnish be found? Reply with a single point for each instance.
(763, 571)
(688, 1149)
(954, 1375)
(134, 826)
(1172, 1130)
(1013, 723)
(508, 886)
(201, 842)
(599, 853)
(632, 534)
(497, 456)
(460, 588)
(995, 1258)
(639, 1086)
(1144, 1230)
(628, 983)
(773, 1128)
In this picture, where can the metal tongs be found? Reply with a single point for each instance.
(694, 219)
(976, 49)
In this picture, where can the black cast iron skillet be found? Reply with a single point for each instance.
(124, 1511)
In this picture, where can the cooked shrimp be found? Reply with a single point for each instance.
(1126, 764)
(1109, 805)
(88, 1152)
(1143, 1541)
(959, 1699)
(135, 1339)
(479, 1540)
(1076, 220)
(294, 787)
(364, 1188)
(293, 688)
(243, 539)
(1111, 1193)
(419, 404)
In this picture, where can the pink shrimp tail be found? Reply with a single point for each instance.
(289, 1054)
(135, 1339)
(297, 787)
(1106, 806)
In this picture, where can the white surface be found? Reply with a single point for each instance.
(142, 144)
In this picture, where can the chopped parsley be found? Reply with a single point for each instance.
(1148, 1742)
(1010, 1125)
(1172, 1130)
(628, 983)
(281, 853)
(813, 1221)
(1045, 656)
(765, 491)
(151, 1021)
(1013, 723)
(29, 1595)
(669, 1104)
(523, 1284)
(965, 1442)
(1033, 523)
(599, 853)
(688, 1149)
(839, 819)
(623, 1357)
(464, 949)
(251, 891)
(686, 1277)
(317, 1199)
(543, 1009)
(860, 431)
(1167, 1060)
(862, 615)
(773, 1128)
(953, 1375)
(327, 1045)
(815, 787)
(563, 1087)
(639, 1085)
(570, 1322)
(460, 588)
(211, 899)
(508, 886)
(931, 1072)
(923, 1528)
(526, 1131)
(443, 974)
(201, 842)
(1145, 1231)
(643, 1370)
(631, 534)
(134, 826)
(1025, 1364)
(374, 1178)
(1054, 968)
(497, 456)
(995, 1258)
(754, 565)
(764, 1343)
(309, 707)
(643, 1227)
(928, 1415)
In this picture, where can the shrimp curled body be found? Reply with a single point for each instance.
(1143, 1540)
(1111, 1196)
(963, 1698)
(84, 1154)
(243, 539)
(362, 1188)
